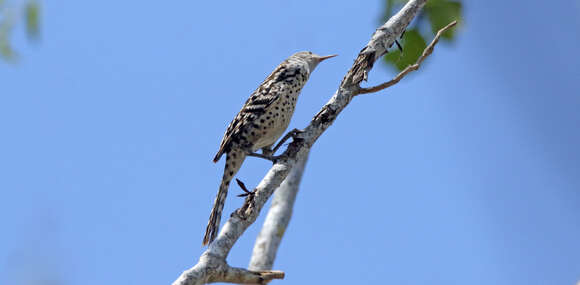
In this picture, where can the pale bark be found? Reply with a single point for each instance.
(212, 266)
(280, 212)
(277, 220)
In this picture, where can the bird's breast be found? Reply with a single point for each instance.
(274, 122)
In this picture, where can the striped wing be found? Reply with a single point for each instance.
(264, 96)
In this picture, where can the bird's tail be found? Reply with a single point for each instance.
(234, 160)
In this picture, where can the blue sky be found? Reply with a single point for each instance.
(467, 172)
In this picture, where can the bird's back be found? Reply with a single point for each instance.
(267, 112)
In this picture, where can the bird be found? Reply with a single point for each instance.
(261, 121)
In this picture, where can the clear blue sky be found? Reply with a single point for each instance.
(467, 172)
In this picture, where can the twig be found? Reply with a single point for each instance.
(428, 50)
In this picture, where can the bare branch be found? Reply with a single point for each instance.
(212, 266)
(277, 220)
(211, 269)
(428, 50)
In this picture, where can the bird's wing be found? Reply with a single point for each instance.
(266, 94)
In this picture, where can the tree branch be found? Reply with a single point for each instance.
(428, 50)
(268, 241)
(277, 220)
(210, 269)
(212, 266)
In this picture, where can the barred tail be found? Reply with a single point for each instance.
(234, 160)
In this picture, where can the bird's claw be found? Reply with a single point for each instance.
(248, 205)
(268, 153)
(269, 157)
(294, 134)
(245, 189)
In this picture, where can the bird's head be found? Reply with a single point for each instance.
(311, 59)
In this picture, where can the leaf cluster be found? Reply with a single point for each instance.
(435, 15)
(10, 16)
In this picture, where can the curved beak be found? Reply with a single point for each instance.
(326, 57)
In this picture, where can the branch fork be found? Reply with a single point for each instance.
(428, 51)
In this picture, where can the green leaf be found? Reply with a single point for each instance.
(441, 13)
(413, 45)
(6, 51)
(32, 14)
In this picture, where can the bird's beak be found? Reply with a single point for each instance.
(326, 57)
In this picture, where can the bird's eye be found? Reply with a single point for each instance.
(309, 52)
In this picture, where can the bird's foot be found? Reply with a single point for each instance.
(270, 157)
(294, 134)
(249, 204)
(245, 189)
(268, 153)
